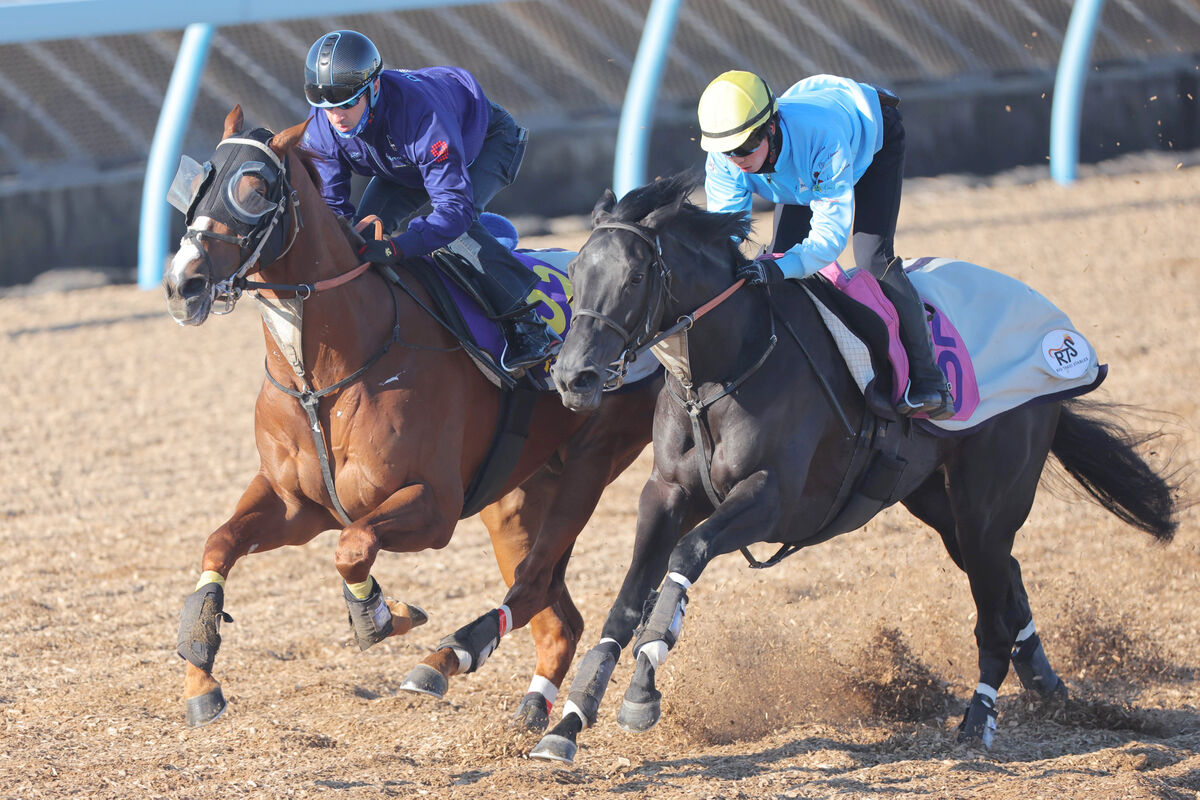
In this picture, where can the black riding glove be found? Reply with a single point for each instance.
(381, 251)
(760, 271)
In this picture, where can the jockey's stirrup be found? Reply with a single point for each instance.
(528, 341)
(937, 404)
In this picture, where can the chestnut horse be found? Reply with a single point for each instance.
(762, 435)
(403, 420)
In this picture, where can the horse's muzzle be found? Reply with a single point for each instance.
(189, 301)
(580, 388)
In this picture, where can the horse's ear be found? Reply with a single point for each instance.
(285, 140)
(604, 206)
(234, 122)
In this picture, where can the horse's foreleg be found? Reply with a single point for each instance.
(408, 521)
(661, 516)
(749, 514)
(259, 523)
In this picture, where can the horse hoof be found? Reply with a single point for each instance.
(532, 714)
(204, 708)
(557, 748)
(426, 680)
(417, 615)
(638, 717)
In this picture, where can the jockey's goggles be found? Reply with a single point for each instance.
(334, 96)
(750, 145)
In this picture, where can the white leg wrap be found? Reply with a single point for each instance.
(1026, 632)
(545, 688)
(655, 652)
(682, 581)
(570, 708)
(987, 691)
(464, 659)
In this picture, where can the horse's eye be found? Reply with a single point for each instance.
(637, 278)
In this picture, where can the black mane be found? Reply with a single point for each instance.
(679, 214)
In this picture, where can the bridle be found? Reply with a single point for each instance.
(637, 344)
(264, 228)
(634, 343)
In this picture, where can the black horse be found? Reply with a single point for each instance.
(761, 435)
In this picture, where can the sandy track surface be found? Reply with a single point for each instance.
(125, 440)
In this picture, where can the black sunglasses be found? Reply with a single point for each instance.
(750, 145)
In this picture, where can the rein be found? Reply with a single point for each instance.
(691, 402)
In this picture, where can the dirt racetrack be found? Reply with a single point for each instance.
(126, 440)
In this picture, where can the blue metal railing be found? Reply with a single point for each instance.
(164, 152)
(1069, 85)
(637, 114)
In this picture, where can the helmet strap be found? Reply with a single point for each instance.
(775, 142)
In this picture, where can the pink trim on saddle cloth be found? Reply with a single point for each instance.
(951, 352)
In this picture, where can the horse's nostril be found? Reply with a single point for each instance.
(584, 382)
(193, 287)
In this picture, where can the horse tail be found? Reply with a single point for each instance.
(1102, 456)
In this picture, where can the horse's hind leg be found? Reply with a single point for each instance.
(533, 530)
(258, 524)
(1028, 656)
(991, 480)
(930, 503)
(516, 523)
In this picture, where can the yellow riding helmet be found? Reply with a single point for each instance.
(732, 107)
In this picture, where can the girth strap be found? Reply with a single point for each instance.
(512, 431)
(874, 471)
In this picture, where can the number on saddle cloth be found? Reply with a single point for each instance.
(549, 294)
(981, 318)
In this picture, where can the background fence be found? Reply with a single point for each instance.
(79, 114)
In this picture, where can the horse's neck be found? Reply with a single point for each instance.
(730, 338)
(334, 331)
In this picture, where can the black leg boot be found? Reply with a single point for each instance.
(927, 392)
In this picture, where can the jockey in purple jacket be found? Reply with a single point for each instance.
(437, 151)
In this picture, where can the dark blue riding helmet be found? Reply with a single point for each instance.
(339, 68)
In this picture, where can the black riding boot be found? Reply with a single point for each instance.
(528, 341)
(928, 391)
(501, 284)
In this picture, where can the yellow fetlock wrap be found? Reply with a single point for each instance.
(362, 590)
(208, 576)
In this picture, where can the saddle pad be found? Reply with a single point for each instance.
(553, 296)
(1000, 343)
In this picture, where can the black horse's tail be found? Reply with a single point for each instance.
(1102, 456)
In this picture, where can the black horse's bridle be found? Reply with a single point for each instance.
(634, 343)
(261, 229)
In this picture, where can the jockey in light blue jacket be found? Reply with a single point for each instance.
(830, 129)
(829, 153)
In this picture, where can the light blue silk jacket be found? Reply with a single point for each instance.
(832, 129)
